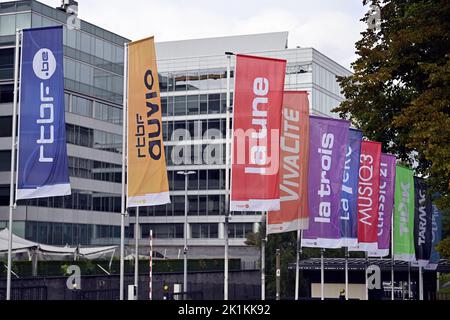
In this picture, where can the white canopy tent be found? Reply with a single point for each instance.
(20, 245)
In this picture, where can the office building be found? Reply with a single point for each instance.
(93, 72)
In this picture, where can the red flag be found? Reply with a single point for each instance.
(368, 195)
(294, 166)
(256, 137)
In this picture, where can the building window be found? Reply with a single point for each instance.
(61, 234)
(96, 170)
(214, 103)
(6, 93)
(108, 113)
(78, 200)
(6, 65)
(180, 106)
(82, 106)
(178, 205)
(96, 139)
(205, 230)
(4, 195)
(5, 126)
(163, 230)
(5, 161)
(239, 230)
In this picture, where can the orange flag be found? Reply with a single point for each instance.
(294, 144)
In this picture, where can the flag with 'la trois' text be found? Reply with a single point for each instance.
(327, 150)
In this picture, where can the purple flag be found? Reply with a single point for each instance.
(386, 205)
(348, 212)
(327, 150)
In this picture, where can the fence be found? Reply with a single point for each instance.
(102, 294)
(25, 293)
(201, 285)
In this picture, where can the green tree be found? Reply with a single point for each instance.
(399, 93)
(287, 243)
(443, 248)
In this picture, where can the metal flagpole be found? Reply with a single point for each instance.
(12, 204)
(136, 250)
(185, 249)
(124, 158)
(322, 274)
(409, 280)
(263, 258)
(150, 275)
(297, 263)
(365, 275)
(346, 273)
(420, 283)
(225, 262)
(278, 274)
(227, 175)
(438, 285)
(392, 257)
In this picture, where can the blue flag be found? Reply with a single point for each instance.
(436, 229)
(43, 170)
(349, 196)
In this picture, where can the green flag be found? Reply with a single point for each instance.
(404, 215)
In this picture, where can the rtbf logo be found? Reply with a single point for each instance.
(44, 66)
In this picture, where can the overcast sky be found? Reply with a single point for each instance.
(330, 26)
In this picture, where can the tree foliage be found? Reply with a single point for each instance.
(399, 93)
(443, 248)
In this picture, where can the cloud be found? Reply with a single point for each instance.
(330, 26)
(332, 33)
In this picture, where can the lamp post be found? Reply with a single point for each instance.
(186, 175)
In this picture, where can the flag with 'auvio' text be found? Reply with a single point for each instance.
(147, 173)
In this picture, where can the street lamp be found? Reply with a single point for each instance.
(186, 175)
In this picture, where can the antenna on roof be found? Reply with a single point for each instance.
(69, 6)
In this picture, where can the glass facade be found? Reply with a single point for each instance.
(204, 230)
(162, 230)
(93, 138)
(78, 200)
(239, 230)
(61, 234)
